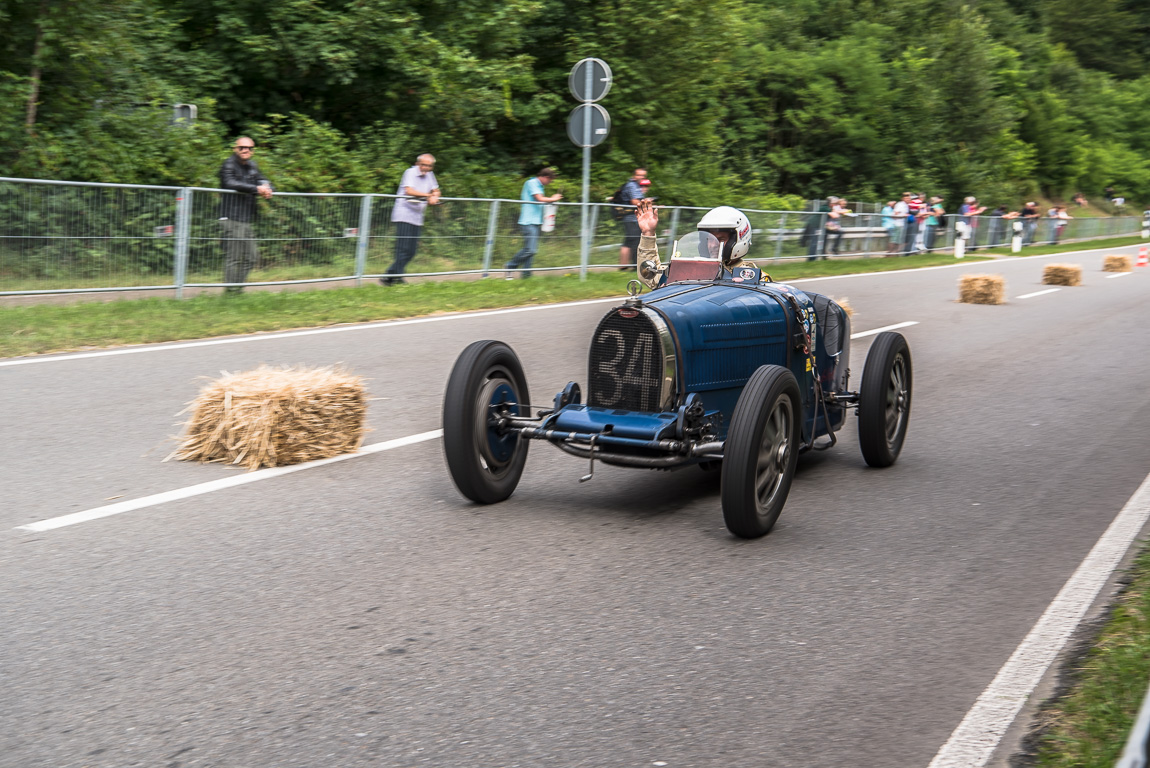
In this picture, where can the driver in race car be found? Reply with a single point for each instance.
(730, 227)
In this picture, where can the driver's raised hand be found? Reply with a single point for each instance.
(647, 216)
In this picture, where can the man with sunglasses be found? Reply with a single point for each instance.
(238, 211)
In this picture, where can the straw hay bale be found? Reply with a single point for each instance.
(1117, 264)
(981, 289)
(844, 302)
(1062, 274)
(272, 417)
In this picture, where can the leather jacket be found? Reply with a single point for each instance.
(244, 178)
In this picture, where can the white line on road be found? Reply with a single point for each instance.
(884, 328)
(267, 474)
(974, 740)
(1038, 293)
(1119, 274)
(218, 485)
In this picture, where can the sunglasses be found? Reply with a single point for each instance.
(242, 148)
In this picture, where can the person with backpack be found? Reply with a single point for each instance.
(629, 195)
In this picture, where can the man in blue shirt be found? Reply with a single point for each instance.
(531, 218)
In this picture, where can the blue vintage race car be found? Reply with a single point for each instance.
(719, 367)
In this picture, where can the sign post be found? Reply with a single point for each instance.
(588, 125)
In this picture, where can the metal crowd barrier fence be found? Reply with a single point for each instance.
(61, 237)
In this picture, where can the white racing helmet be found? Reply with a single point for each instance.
(726, 217)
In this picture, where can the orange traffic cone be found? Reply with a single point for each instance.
(1142, 258)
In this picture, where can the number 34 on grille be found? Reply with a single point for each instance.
(732, 372)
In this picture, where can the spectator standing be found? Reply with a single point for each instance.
(997, 228)
(837, 220)
(531, 219)
(1061, 219)
(815, 229)
(1052, 217)
(238, 212)
(934, 220)
(417, 189)
(632, 193)
(1079, 199)
(1029, 215)
(913, 220)
(970, 211)
(893, 226)
(902, 213)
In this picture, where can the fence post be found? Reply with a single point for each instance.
(868, 223)
(183, 220)
(362, 241)
(489, 243)
(781, 233)
(673, 231)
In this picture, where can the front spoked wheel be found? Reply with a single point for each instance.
(761, 452)
(484, 460)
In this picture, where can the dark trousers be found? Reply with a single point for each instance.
(911, 235)
(240, 254)
(928, 236)
(406, 242)
(834, 240)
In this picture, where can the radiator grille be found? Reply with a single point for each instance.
(626, 365)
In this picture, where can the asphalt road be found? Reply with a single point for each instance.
(364, 614)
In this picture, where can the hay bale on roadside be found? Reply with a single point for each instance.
(981, 289)
(1062, 274)
(271, 417)
(1114, 263)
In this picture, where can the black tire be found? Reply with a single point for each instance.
(761, 452)
(484, 465)
(884, 399)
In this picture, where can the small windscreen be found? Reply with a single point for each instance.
(698, 245)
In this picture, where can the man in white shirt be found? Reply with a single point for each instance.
(418, 188)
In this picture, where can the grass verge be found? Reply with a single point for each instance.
(26, 330)
(1087, 726)
(1087, 245)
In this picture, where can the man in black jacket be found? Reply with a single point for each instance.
(237, 212)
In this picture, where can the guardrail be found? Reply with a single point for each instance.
(59, 237)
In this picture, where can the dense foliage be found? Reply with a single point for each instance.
(726, 100)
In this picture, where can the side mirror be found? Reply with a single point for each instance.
(647, 269)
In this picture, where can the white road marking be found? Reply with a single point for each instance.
(1038, 293)
(219, 485)
(977, 736)
(1119, 274)
(293, 334)
(872, 332)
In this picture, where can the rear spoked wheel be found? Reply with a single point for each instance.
(884, 399)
